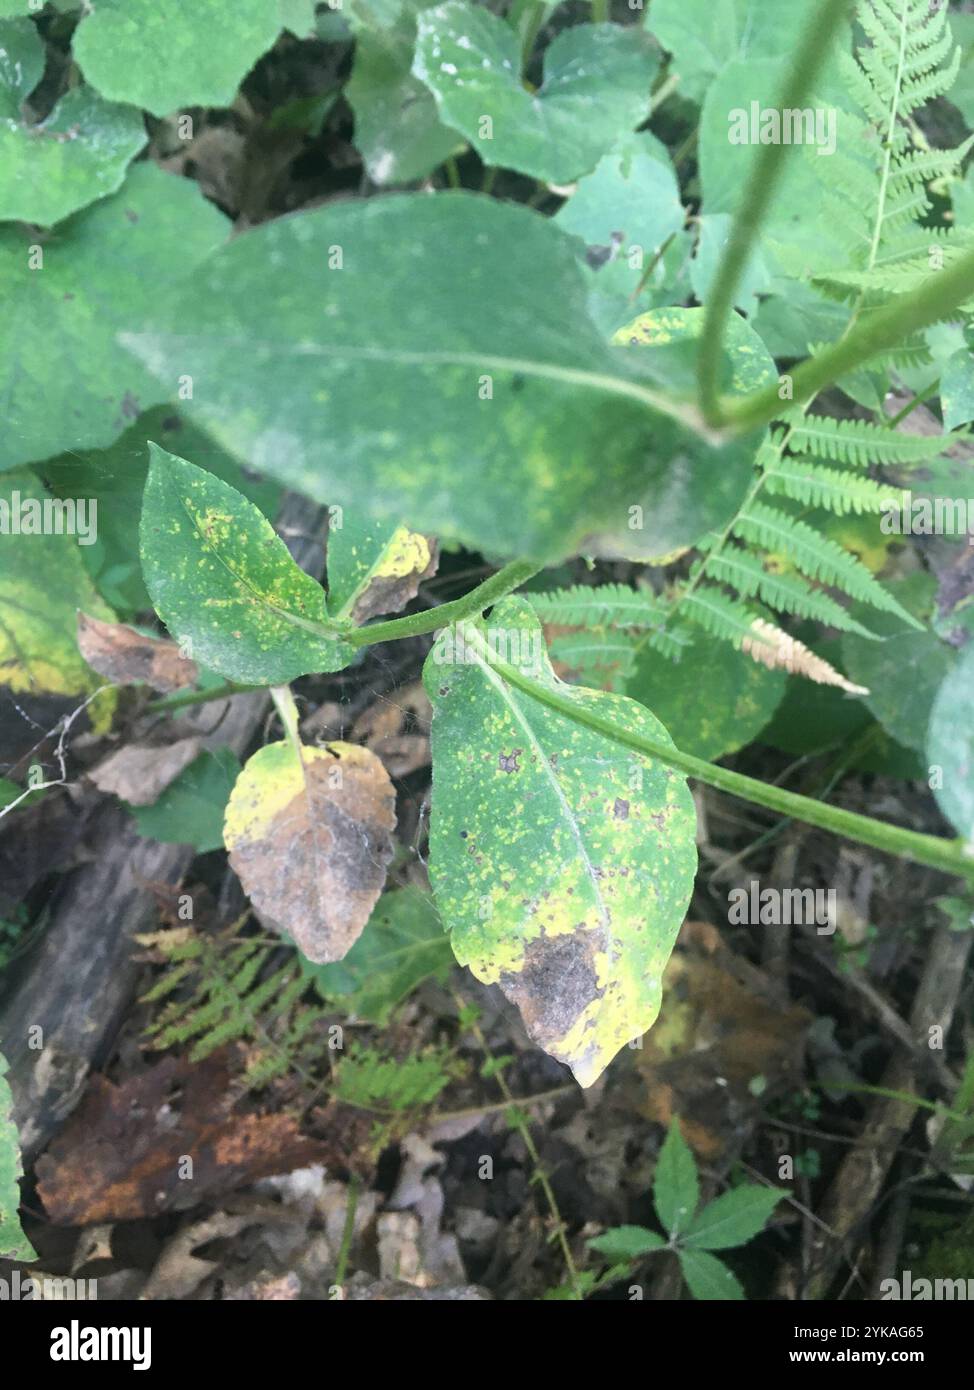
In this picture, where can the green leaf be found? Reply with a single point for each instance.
(950, 746)
(14, 1245)
(733, 1218)
(190, 811)
(708, 1278)
(713, 701)
(626, 1243)
(397, 129)
(107, 267)
(803, 233)
(187, 55)
(114, 478)
(402, 945)
(561, 864)
(76, 155)
(705, 35)
(957, 389)
(902, 673)
(750, 367)
(597, 80)
(624, 212)
(497, 414)
(676, 1187)
(43, 583)
(222, 580)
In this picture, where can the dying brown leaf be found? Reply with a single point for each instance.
(140, 774)
(723, 1025)
(124, 656)
(309, 832)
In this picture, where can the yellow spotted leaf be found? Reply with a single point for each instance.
(43, 583)
(309, 831)
(561, 862)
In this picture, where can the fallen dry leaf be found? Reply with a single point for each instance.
(140, 774)
(397, 730)
(122, 1155)
(721, 1026)
(309, 832)
(124, 656)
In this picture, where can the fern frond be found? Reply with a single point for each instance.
(841, 493)
(862, 443)
(612, 605)
(815, 555)
(786, 593)
(781, 652)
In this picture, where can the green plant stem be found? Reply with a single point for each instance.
(351, 1205)
(526, 18)
(288, 713)
(936, 298)
(946, 855)
(756, 199)
(600, 11)
(504, 582)
(200, 697)
(910, 406)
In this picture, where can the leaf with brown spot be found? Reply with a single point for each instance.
(140, 774)
(125, 656)
(309, 832)
(561, 863)
(375, 567)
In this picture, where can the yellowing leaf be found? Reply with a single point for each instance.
(43, 583)
(309, 832)
(375, 567)
(561, 863)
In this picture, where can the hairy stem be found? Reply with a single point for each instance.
(504, 582)
(947, 855)
(756, 199)
(935, 298)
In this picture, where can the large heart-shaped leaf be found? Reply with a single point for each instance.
(432, 358)
(76, 155)
(223, 582)
(705, 35)
(597, 80)
(69, 385)
(397, 127)
(561, 863)
(309, 832)
(163, 58)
